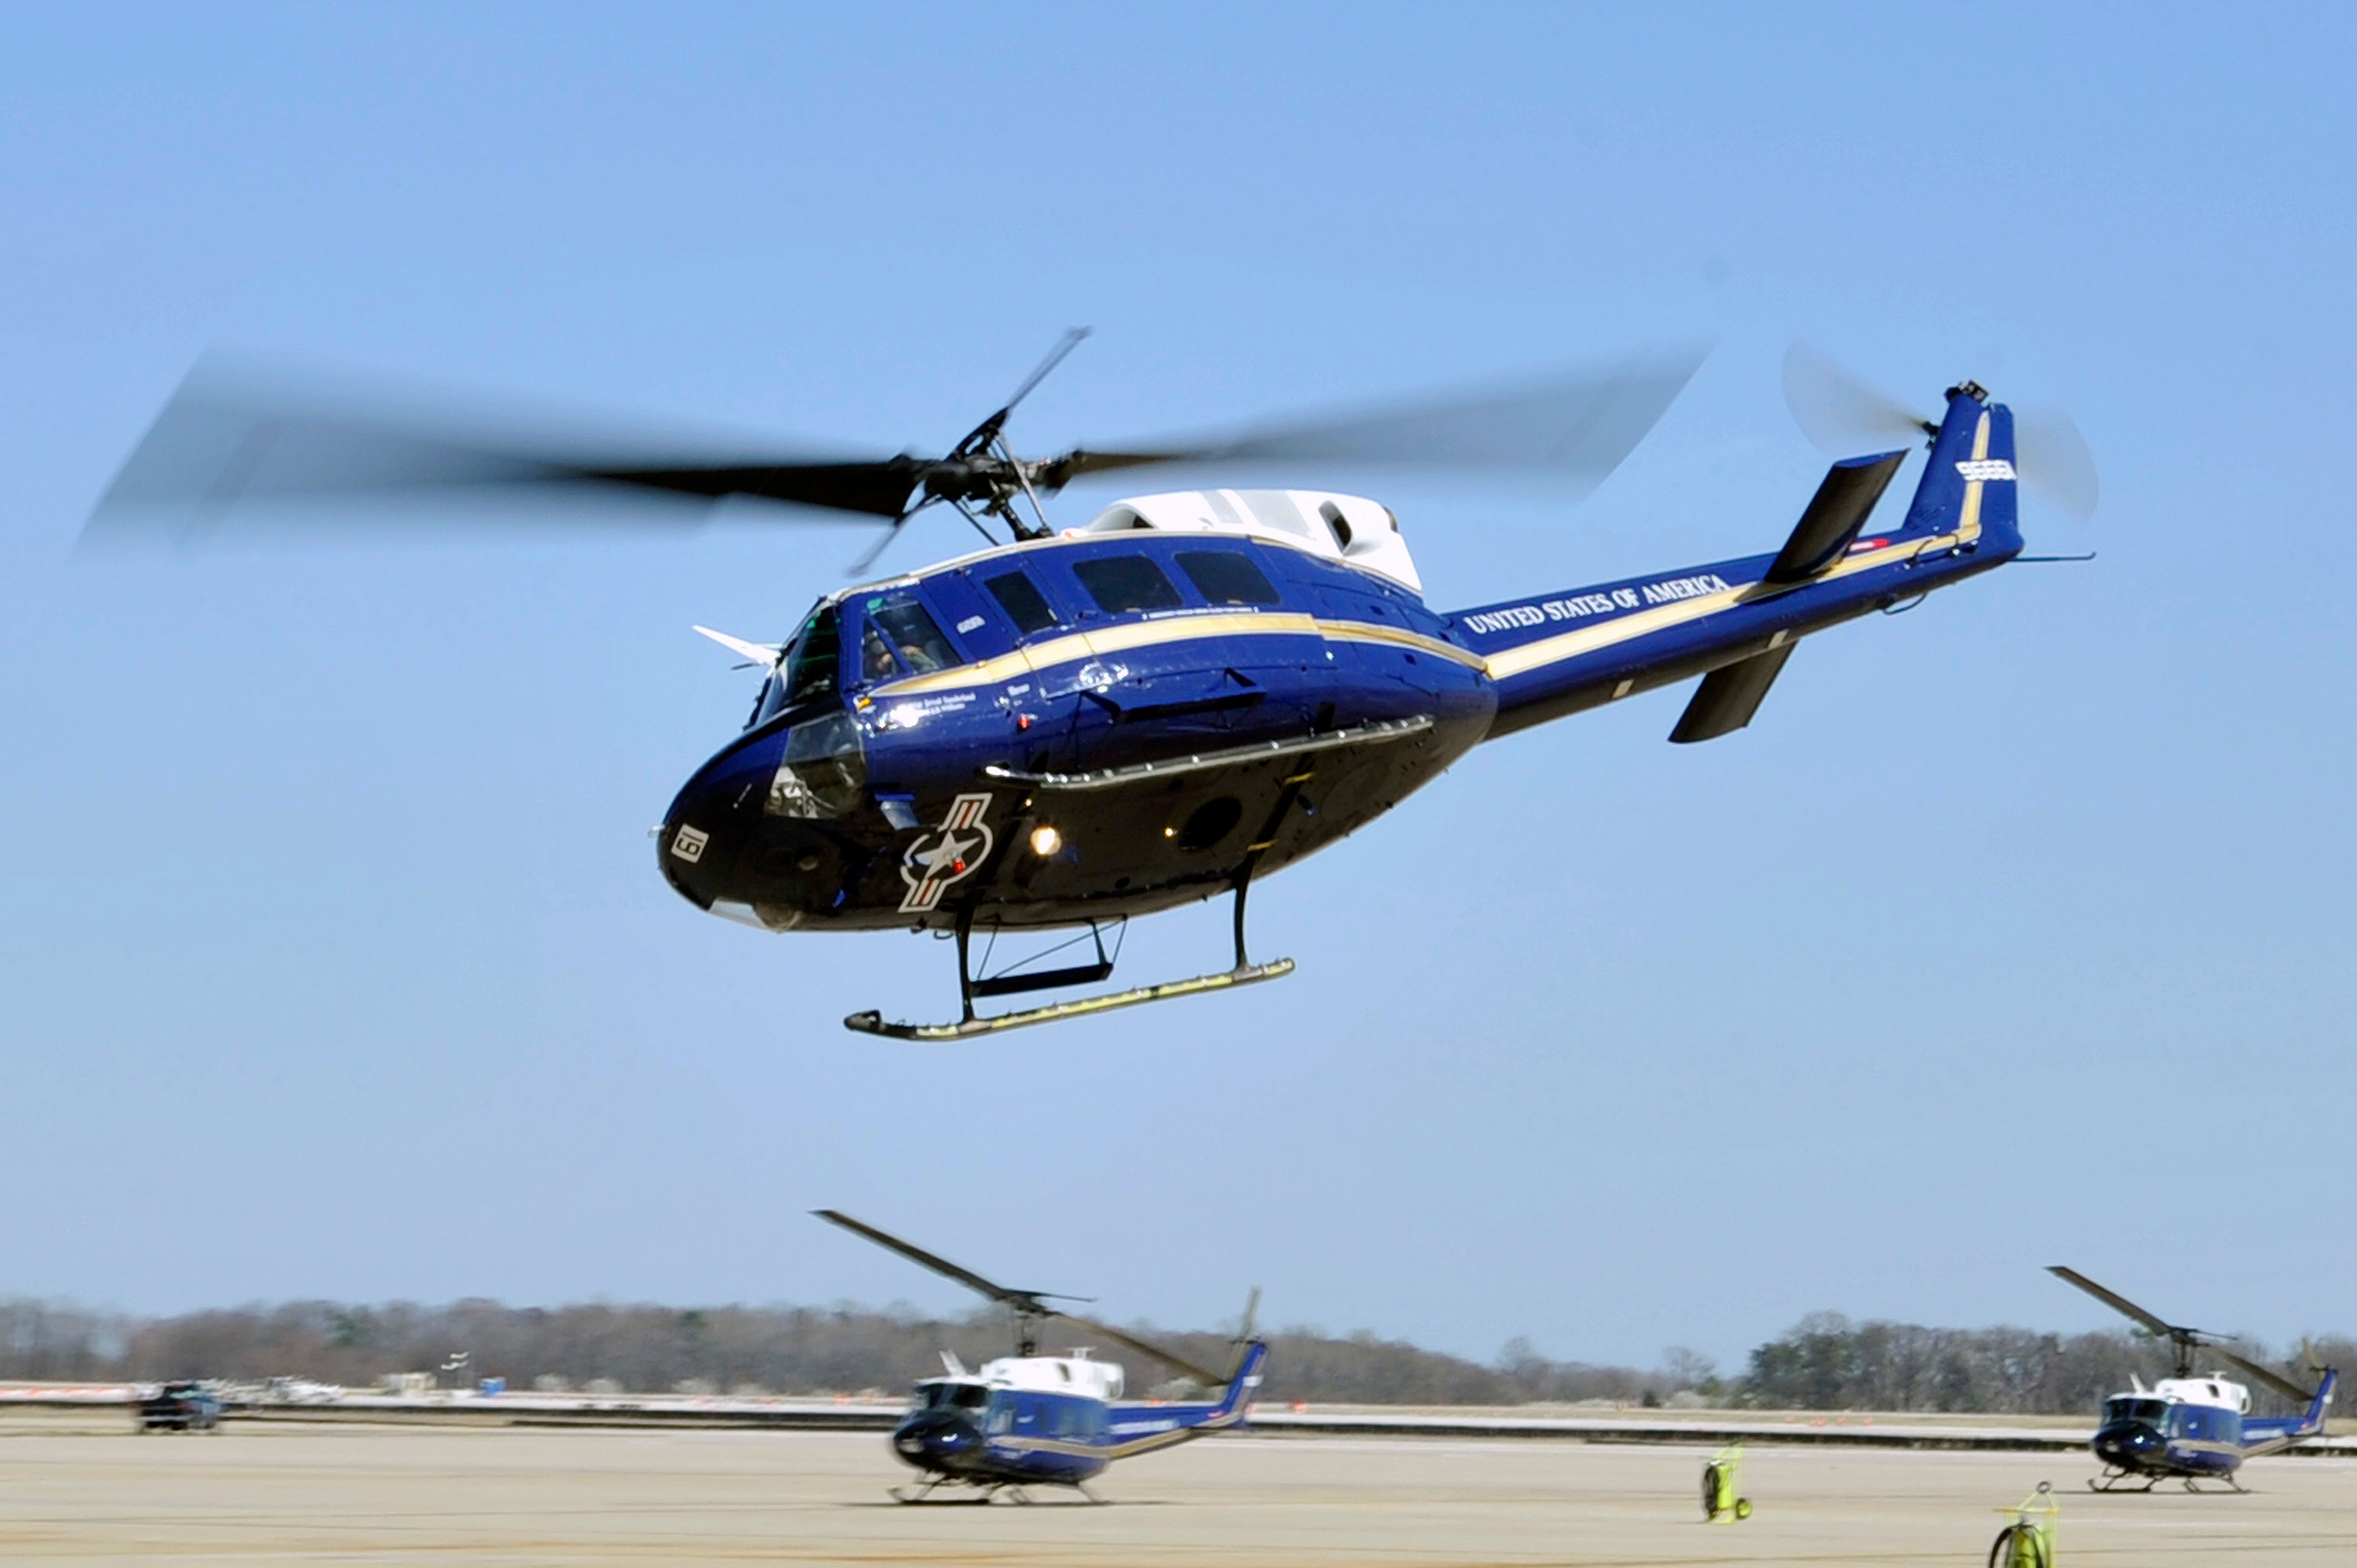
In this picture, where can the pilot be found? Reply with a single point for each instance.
(875, 659)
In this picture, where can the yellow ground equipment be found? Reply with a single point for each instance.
(2028, 1541)
(1722, 1479)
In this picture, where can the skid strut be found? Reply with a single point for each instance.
(970, 1024)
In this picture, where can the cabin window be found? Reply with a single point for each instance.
(912, 631)
(1124, 584)
(1020, 598)
(1227, 576)
(811, 675)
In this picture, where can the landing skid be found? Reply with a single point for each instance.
(972, 1024)
(872, 1023)
(2127, 1481)
(986, 1492)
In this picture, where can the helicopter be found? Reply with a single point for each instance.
(1029, 1419)
(1192, 690)
(2189, 1428)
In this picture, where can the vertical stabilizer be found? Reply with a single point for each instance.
(1242, 1386)
(1970, 487)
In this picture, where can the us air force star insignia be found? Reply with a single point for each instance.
(947, 854)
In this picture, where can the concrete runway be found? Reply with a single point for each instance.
(82, 1491)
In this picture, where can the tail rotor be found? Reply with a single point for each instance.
(1843, 414)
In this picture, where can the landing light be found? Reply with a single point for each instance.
(1046, 841)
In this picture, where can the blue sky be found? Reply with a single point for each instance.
(2015, 930)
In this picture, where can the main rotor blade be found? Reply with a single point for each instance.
(1071, 340)
(982, 434)
(2119, 1303)
(1578, 427)
(1841, 412)
(1171, 1359)
(2275, 1381)
(1025, 1301)
(229, 436)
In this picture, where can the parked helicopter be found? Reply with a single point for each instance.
(2193, 1428)
(1186, 692)
(1029, 1419)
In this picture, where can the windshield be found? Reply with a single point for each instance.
(2145, 1410)
(809, 669)
(949, 1396)
(806, 673)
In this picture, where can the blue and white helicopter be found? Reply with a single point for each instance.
(1029, 1420)
(1186, 692)
(2189, 1428)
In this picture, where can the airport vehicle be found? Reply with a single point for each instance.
(1186, 692)
(1029, 1420)
(2189, 1428)
(183, 1406)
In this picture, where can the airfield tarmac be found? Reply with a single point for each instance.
(82, 1491)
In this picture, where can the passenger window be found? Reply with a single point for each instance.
(1024, 604)
(811, 667)
(912, 631)
(1121, 584)
(1227, 576)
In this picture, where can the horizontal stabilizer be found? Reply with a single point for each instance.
(1836, 514)
(1729, 696)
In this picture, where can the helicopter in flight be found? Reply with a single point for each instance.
(1029, 1420)
(1188, 692)
(2190, 1428)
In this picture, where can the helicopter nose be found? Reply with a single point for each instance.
(2122, 1444)
(726, 846)
(704, 831)
(936, 1443)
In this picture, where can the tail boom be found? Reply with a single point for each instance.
(1555, 655)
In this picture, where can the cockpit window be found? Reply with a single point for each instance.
(912, 631)
(1020, 598)
(1227, 576)
(1121, 584)
(807, 673)
(811, 667)
(2144, 1410)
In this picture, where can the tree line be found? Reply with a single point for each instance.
(1824, 1362)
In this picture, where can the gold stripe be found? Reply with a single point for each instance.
(1367, 631)
(1530, 656)
(1503, 665)
(1969, 528)
(1078, 646)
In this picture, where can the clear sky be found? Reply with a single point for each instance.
(2014, 931)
